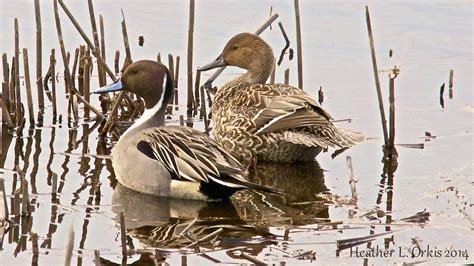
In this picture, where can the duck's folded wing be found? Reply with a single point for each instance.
(189, 154)
(287, 107)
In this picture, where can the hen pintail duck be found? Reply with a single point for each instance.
(172, 161)
(270, 122)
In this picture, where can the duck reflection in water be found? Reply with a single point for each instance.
(247, 216)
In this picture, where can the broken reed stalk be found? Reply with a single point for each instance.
(352, 180)
(52, 63)
(393, 75)
(203, 110)
(190, 57)
(171, 70)
(208, 83)
(39, 57)
(18, 114)
(80, 71)
(299, 45)
(321, 95)
(287, 43)
(102, 49)
(69, 246)
(123, 237)
(205, 238)
(95, 36)
(181, 120)
(196, 91)
(128, 57)
(116, 62)
(176, 78)
(376, 75)
(5, 113)
(29, 98)
(441, 95)
(451, 83)
(287, 77)
(7, 92)
(67, 73)
(91, 47)
(272, 76)
(87, 70)
(74, 66)
(186, 229)
(244, 255)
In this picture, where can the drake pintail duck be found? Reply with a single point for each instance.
(172, 161)
(270, 122)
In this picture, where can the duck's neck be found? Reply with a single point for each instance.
(152, 117)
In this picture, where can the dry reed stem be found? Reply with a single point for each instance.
(29, 98)
(5, 113)
(39, 56)
(52, 63)
(376, 75)
(190, 57)
(18, 114)
(299, 51)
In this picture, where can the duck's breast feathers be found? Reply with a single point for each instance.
(189, 154)
(282, 107)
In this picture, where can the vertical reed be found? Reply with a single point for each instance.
(74, 65)
(158, 58)
(128, 57)
(18, 114)
(6, 90)
(171, 70)
(451, 83)
(102, 47)
(320, 95)
(287, 76)
(190, 57)
(12, 95)
(272, 76)
(298, 44)
(52, 63)
(95, 36)
(203, 110)
(5, 113)
(28, 88)
(39, 56)
(116, 62)
(196, 91)
(376, 75)
(87, 71)
(392, 76)
(176, 78)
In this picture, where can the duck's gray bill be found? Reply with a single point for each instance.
(219, 62)
(116, 86)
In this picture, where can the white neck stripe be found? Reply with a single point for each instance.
(149, 113)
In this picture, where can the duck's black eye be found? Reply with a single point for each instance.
(235, 47)
(134, 71)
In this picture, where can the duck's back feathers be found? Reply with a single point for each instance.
(190, 155)
(289, 114)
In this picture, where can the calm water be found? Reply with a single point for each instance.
(428, 39)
